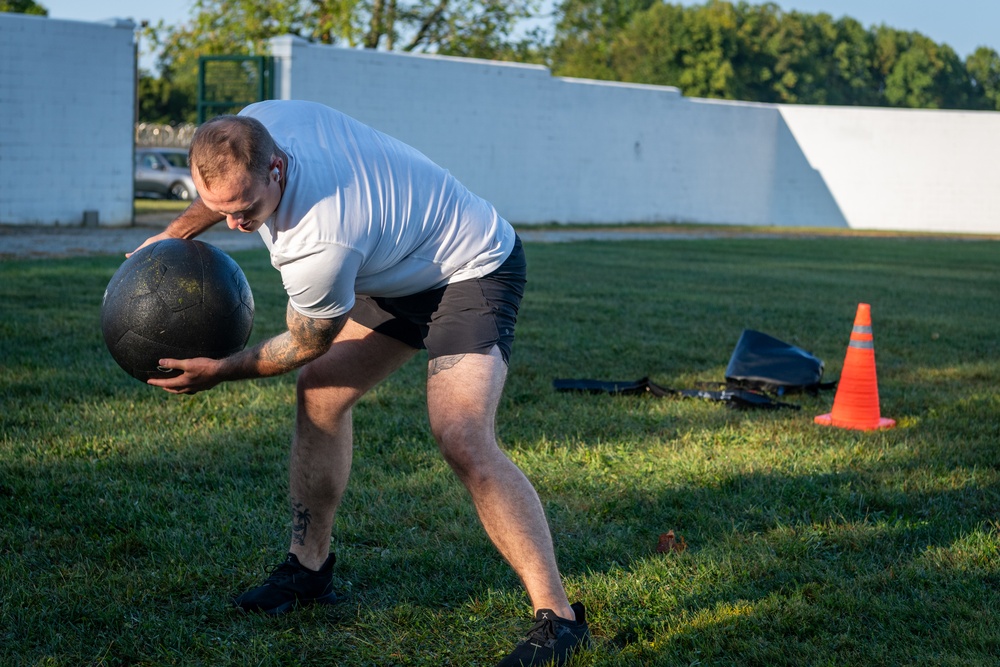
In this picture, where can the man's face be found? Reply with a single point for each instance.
(245, 201)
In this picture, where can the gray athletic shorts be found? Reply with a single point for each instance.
(470, 316)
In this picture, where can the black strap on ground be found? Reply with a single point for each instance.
(737, 398)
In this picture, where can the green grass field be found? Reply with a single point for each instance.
(132, 517)
(159, 205)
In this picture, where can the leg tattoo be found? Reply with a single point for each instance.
(443, 363)
(300, 523)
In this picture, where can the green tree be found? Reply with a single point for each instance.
(162, 102)
(340, 21)
(721, 50)
(851, 80)
(23, 7)
(918, 73)
(708, 44)
(757, 52)
(470, 28)
(747, 52)
(228, 27)
(584, 32)
(648, 49)
(983, 68)
(795, 57)
(799, 54)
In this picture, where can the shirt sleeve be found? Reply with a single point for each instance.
(320, 283)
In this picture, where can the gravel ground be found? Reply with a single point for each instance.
(24, 241)
(36, 241)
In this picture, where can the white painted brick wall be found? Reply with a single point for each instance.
(905, 169)
(67, 91)
(546, 149)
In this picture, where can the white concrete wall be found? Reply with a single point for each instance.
(547, 149)
(905, 169)
(67, 92)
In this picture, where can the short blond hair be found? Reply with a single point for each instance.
(226, 144)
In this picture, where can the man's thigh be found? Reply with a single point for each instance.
(467, 317)
(466, 391)
(358, 359)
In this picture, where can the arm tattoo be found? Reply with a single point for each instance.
(306, 339)
(281, 350)
(300, 523)
(443, 363)
(309, 333)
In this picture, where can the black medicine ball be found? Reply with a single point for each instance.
(176, 299)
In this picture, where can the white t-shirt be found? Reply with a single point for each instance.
(363, 213)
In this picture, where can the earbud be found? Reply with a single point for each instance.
(276, 172)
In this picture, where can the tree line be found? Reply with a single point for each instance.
(760, 53)
(719, 49)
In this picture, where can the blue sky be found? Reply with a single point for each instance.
(962, 24)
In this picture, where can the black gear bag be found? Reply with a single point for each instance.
(760, 365)
(764, 363)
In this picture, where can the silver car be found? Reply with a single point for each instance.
(163, 172)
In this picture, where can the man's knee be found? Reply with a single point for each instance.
(468, 447)
(310, 380)
(316, 388)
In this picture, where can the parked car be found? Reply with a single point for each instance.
(163, 172)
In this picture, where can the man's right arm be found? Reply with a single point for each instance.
(306, 339)
(195, 219)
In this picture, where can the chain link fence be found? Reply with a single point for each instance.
(161, 134)
(226, 84)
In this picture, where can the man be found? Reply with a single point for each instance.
(382, 253)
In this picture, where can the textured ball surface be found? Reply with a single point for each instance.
(176, 299)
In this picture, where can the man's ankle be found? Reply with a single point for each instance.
(564, 611)
(310, 560)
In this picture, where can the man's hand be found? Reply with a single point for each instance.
(199, 374)
(151, 240)
(195, 219)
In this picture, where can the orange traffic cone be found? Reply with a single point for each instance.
(856, 402)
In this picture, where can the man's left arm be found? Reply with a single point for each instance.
(306, 339)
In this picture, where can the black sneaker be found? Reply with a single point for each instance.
(551, 640)
(291, 584)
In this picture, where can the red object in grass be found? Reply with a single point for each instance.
(669, 542)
